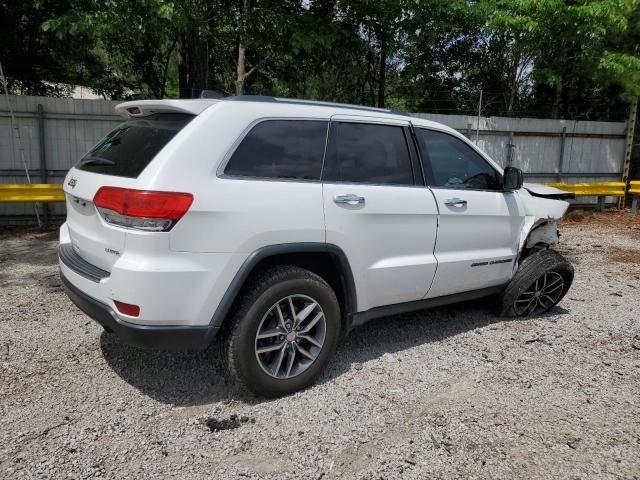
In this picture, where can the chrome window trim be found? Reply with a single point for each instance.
(361, 184)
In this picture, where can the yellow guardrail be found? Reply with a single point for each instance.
(45, 192)
(36, 192)
(598, 189)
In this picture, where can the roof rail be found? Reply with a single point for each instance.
(212, 94)
(269, 99)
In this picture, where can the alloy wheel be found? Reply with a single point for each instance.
(290, 336)
(543, 294)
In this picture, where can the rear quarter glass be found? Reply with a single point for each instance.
(127, 150)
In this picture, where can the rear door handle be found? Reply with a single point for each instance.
(455, 202)
(349, 199)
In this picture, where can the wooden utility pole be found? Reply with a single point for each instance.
(479, 113)
(241, 73)
(631, 126)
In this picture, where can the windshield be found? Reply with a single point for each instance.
(127, 150)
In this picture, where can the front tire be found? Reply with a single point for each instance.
(542, 280)
(283, 331)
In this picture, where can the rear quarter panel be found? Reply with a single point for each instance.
(232, 215)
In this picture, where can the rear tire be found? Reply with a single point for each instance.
(542, 280)
(282, 331)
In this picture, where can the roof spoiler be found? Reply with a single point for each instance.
(144, 108)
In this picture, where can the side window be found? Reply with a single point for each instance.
(367, 153)
(454, 164)
(281, 149)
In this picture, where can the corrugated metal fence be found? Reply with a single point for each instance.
(547, 150)
(56, 132)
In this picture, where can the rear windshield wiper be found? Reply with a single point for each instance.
(95, 161)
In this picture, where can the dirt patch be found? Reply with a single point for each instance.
(623, 255)
(619, 220)
(49, 233)
(231, 423)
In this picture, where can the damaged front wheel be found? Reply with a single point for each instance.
(540, 283)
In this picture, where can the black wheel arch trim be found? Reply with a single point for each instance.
(249, 265)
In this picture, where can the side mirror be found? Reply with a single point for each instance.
(512, 178)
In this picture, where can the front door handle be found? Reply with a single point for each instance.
(349, 199)
(455, 202)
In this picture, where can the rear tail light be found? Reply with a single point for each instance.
(127, 308)
(142, 209)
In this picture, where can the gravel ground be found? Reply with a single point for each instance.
(448, 393)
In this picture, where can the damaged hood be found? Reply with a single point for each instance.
(544, 191)
(543, 203)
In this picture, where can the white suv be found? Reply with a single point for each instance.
(279, 225)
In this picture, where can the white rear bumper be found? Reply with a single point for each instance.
(171, 288)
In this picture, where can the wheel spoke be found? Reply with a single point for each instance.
(270, 348)
(280, 358)
(312, 323)
(534, 305)
(305, 312)
(543, 306)
(554, 289)
(553, 283)
(292, 310)
(311, 340)
(292, 356)
(280, 316)
(531, 304)
(524, 309)
(551, 299)
(274, 332)
(305, 352)
(522, 300)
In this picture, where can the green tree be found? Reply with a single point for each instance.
(37, 62)
(620, 62)
(577, 58)
(565, 41)
(135, 38)
(442, 48)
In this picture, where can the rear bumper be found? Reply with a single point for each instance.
(172, 289)
(162, 337)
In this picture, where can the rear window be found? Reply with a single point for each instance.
(127, 150)
(287, 149)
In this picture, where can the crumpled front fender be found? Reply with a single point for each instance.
(540, 212)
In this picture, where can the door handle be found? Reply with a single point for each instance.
(349, 199)
(455, 202)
